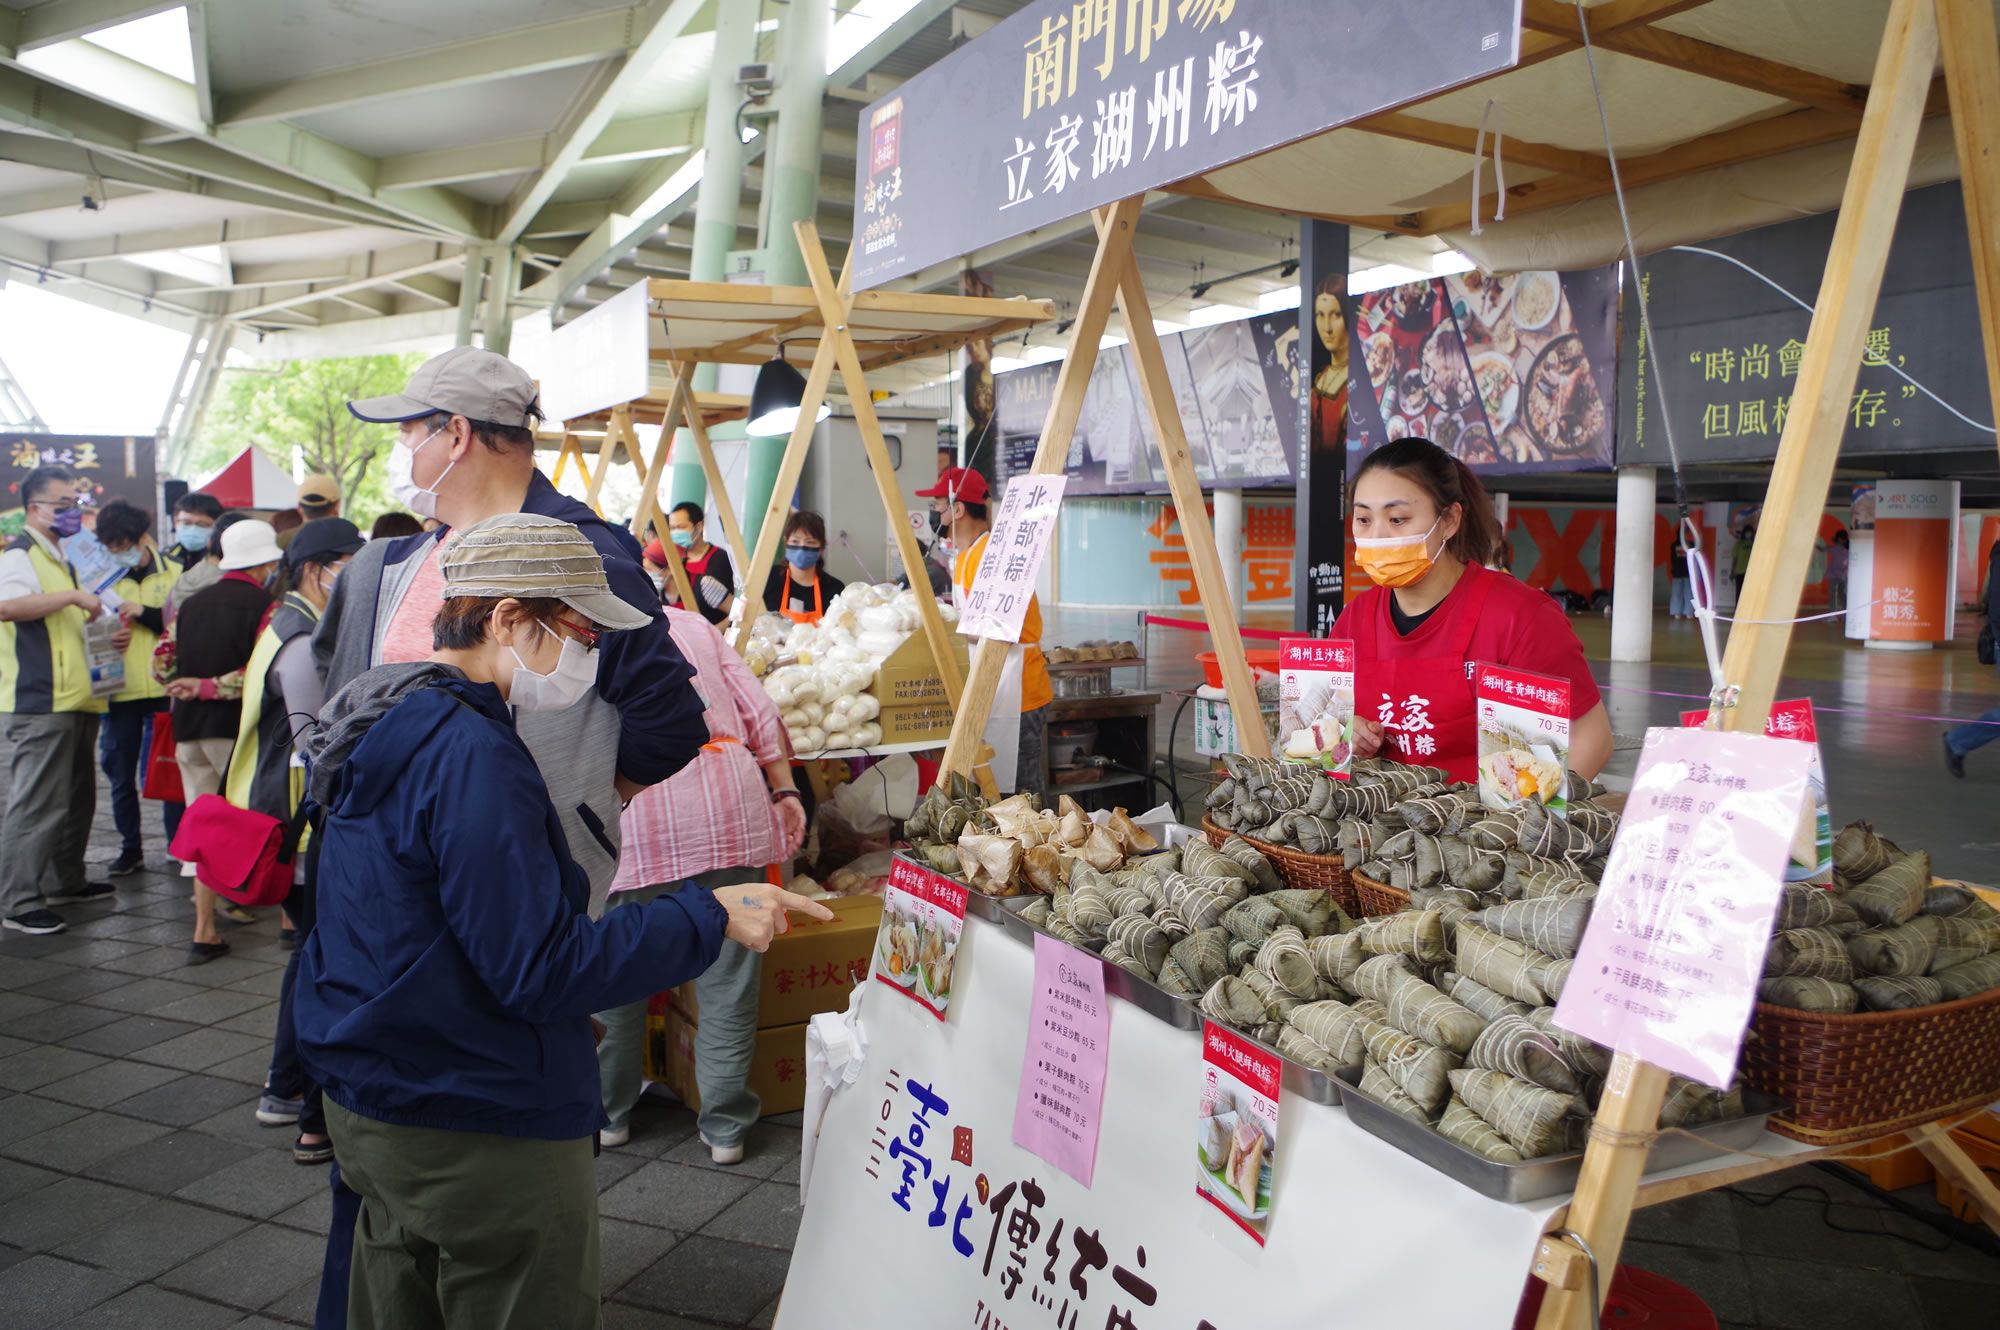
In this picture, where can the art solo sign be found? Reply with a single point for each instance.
(1915, 570)
(1067, 106)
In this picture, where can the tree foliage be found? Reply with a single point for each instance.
(303, 404)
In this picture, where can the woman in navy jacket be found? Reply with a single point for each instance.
(445, 993)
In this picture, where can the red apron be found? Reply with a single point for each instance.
(1424, 704)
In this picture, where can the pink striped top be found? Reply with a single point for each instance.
(716, 812)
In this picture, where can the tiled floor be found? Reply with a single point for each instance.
(136, 1190)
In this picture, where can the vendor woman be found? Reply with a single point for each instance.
(799, 588)
(1423, 529)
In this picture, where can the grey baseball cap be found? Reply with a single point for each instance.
(464, 381)
(529, 556)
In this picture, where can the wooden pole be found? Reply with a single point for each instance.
(718, 489)
(1192, 511)
(649, 481)
(1630, 1110)
(1823, 397)
(569, 445)
(789, 466)
(616, 430)
(676, 566)
(1972, 82)
(833, 312)
(1114, 250)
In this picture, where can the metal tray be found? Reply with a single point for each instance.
(1306, 1082)
(1150, 998)
(1538, 1179)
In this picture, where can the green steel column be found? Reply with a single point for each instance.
(791, 189)
(715, 209)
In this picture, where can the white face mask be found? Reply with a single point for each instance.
(561, 688)
(402, 477)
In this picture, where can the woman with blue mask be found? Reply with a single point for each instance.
(445, 990)
(126, 736)
(801, 588)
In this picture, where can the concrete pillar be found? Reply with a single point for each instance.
(1632, 572)
(468, 294)
(499, 323)
(715, 209)
(1229, 541)
(791, 194)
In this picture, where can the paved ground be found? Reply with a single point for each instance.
(136, 1190)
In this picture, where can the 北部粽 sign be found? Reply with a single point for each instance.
(1072, 104)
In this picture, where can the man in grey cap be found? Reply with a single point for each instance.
(466, 452)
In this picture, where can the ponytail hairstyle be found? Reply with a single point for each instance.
(1448, 481)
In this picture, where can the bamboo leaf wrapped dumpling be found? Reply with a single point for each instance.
(1415, 1007)
(1284, 957)
(1334, 1026)
(1415, 933)
(1337, 957)
(1802, 905)
(1552, 925)
(1377, 1085)
(1299, 1047)
(1589, 1059)
(1500, 963)
(1529, 1117)
(1898, 952)
(1888, 993)
(1201, 958)
(1830, 996)
(1465, 1127)
(1962, 938)
(1230, 1001)
(1263, 876)
(1421, 1070)
(1512, 1045)
(1310, 910)
(1895, 894)
(1859, 854)
(1478, 998)
(1808, 953)
(1973, 977)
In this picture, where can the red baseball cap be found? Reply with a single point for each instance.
(655, 552)
(957, 482)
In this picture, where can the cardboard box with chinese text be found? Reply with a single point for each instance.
(812, 967)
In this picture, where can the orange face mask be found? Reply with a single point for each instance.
(1395, 561)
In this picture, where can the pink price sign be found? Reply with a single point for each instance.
(1669, 965)
(1315, 653)
(1060, 1104)
(1236, 1130)
(1542, 694)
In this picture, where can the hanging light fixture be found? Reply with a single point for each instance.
(775, 399)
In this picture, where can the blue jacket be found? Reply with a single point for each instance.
(451, 974)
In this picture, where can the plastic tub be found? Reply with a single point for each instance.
(1261, 662)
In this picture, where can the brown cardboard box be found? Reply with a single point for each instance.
(915, 708)
(813, 967)
(777, 1065)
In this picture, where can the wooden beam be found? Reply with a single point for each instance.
(1413, 129)
(1951, 1160)
(833, 307)
(718, 488)
(1745, 143)
(570, 447)
(1114, 255)
(616, 431)
(1807, 452)
(1972, 79)
(649, 482)
(1692, 56)
(1158, 391)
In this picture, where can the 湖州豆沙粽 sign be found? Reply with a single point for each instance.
(1071, 104)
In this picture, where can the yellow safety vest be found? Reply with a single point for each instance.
(42, 664)
(253, 778)
(150, 591)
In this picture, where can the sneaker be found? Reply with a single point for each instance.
(613, 1137)
(309, 1154)
(201, 953)
(83, 895)
(724, 1154)
(288, 939)
(277, 1111)
(1954, 762)
(127, 863)
(36, 922)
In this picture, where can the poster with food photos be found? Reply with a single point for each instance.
(916, 946)
(1316, 703)
(1236, 1132)
(1523, 737)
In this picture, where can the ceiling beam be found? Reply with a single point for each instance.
(202, 47)
(59, 20)
(887, 42)
(1461, 138)
(1689, 55)
(580, 40)
(639, 139)
(344, 288)
(434, 290)
(654, 29)
(236, 230)
(67, 197)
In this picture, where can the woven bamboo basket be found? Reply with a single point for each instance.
(1855, 1077)
(1321, 872)
(1376, 898)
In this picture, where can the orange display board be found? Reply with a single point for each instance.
(1916, 538)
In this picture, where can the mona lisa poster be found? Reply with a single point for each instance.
(1325, 314)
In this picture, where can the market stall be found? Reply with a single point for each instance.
(1668, 89)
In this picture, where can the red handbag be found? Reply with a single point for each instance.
(243, 855)
(163, 774)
